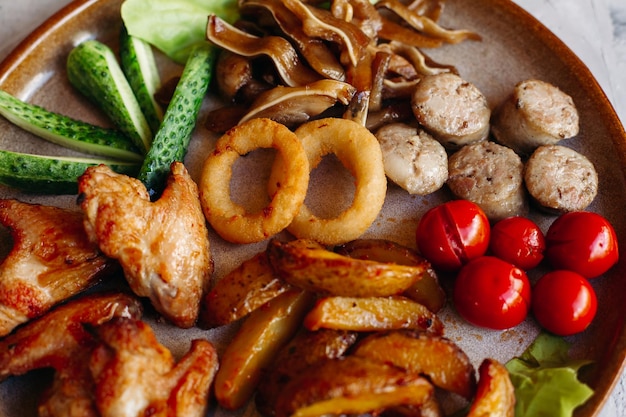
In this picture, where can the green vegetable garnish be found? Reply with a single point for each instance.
(174, 26)
(545, 379)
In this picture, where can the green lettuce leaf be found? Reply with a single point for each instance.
(545, 379)
(174, 26)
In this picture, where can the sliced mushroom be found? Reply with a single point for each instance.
(423, 64)
(295, 105)
(316, 53)
(395, 111)
(233, 72)
(321, 23)
(380, 65)
(398, 89)
(391, 30)
(361, 77)
(361, 13)
(289, 66)
(431, 9)
(425, 24)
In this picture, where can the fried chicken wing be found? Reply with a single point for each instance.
(61, 340)
(136, 376)
(51, 260)
(163, 246)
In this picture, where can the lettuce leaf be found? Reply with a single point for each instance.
(174, 26)
(545, 379)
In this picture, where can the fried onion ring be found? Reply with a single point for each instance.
(358, 150)
(230, 220)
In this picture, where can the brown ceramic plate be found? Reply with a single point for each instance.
(514, 47)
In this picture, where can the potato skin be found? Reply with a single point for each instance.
(495, 395)
(241, 291)
(306, 349)
(366, 314)
(426, 289)
(325, 272)
(446, 365)
(254, 346)
(351, 385)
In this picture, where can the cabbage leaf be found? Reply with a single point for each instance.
(174, 26)
(545, 379)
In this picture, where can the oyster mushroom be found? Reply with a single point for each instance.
(289, 66)
(361, 13)
(294, 105)
(425, 24)
(315, 52)
(423, 64)
(235, 77)
(322, 24)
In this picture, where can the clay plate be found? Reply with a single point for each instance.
(514, 47)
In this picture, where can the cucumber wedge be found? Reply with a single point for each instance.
(93, 69)
(139, 65)
(65, 131)
(51, 174)
(171, 141)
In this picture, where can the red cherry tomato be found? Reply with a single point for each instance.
(451, 234)
(492, 293)
(583, 242)
(518, 240)
(564, 302)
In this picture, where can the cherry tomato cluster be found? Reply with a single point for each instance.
(492, 288)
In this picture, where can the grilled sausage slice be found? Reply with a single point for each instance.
(490, 175)
(536, 113)
(560, 179)
(453, 110)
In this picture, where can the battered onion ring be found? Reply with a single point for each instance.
(358, 150)
(230, 220)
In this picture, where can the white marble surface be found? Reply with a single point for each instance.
(594, 29)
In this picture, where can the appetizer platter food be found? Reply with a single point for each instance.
(502, 46)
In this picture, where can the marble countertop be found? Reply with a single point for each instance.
(594, 29)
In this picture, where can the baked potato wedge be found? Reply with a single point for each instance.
(426, 290)
(241, 291)
(437, 357)
(306, 349)
(495, 394)
(365, 314)
(325, 272)
(351, 385)
(256, 342)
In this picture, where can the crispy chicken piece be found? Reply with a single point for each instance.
(61, 340)
(135, 376)
(163, 246)
(51, 260)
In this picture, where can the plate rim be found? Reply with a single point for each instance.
(609, 116)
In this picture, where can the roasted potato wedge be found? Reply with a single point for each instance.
(243, 290)
(366, 314)
(430, 408)
(325, 272)
(495, 394)
(351, 385)
(440, 359)
(253, 348)
(426, 289)
(306, 349)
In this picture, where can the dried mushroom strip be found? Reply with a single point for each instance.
(296, 105)
(322, 24)
(289, 66)
(316, 53)
(425, 24)
(376, 48)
